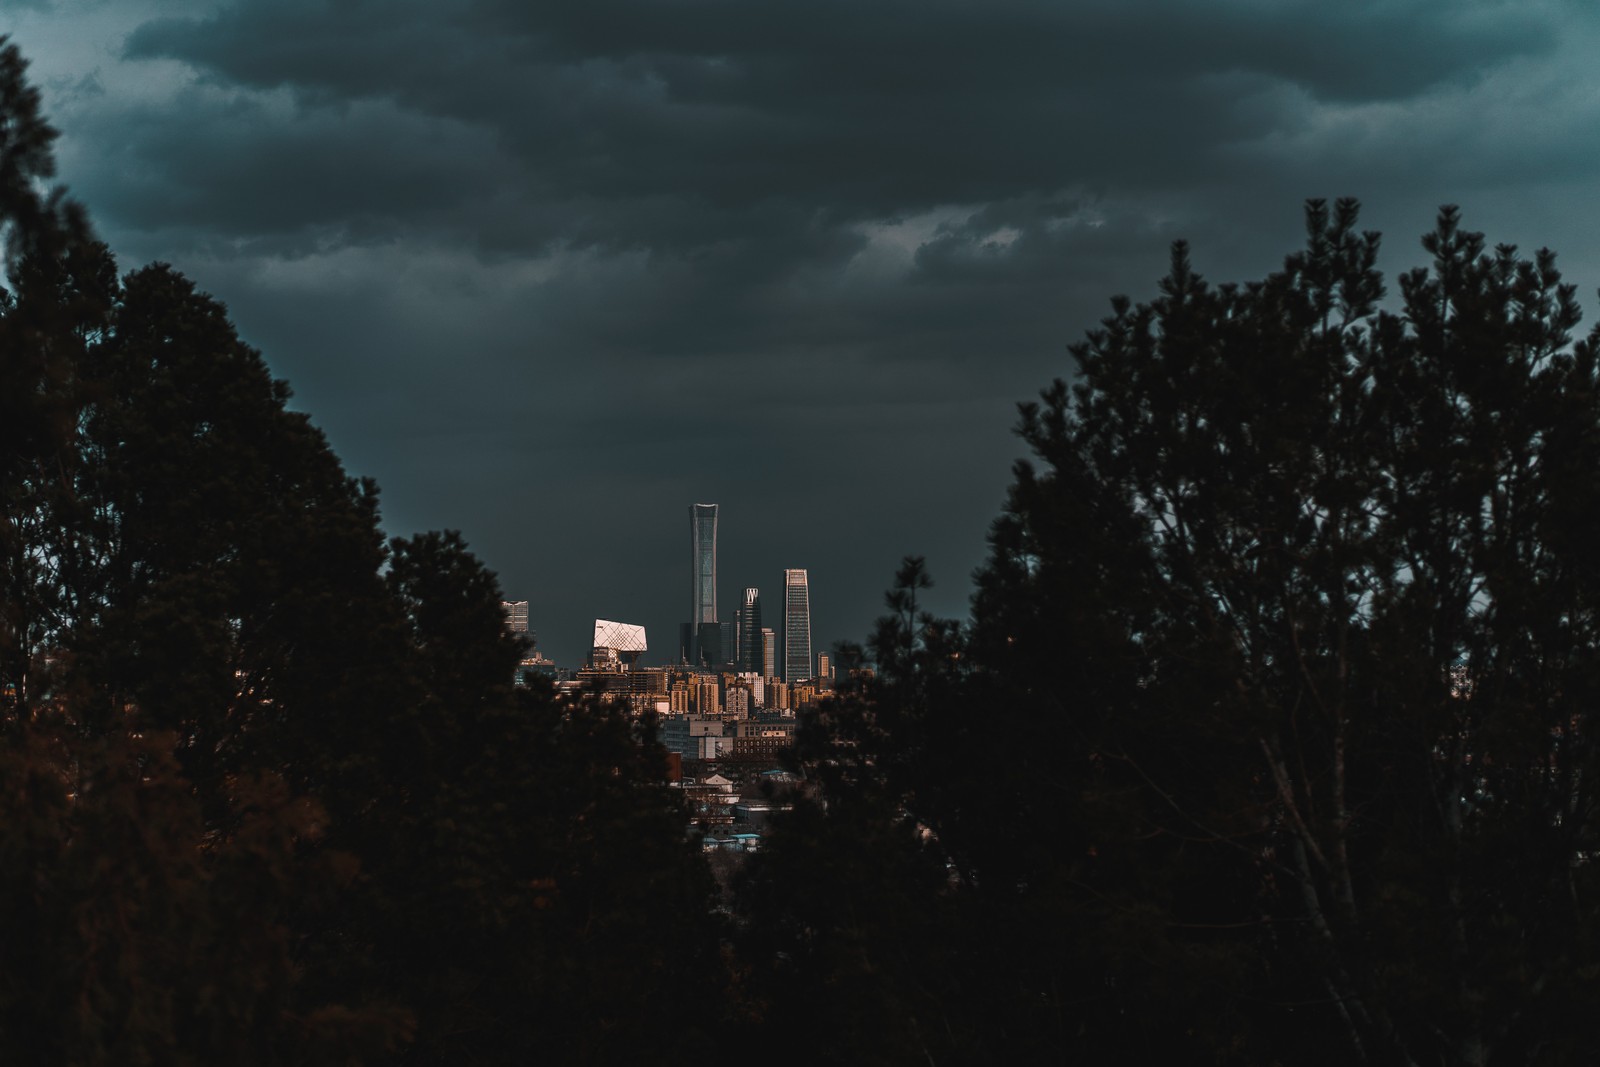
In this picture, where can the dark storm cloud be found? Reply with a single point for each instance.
(269, 182)
(862, 109)
(743, 147)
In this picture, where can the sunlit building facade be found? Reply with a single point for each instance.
(620, 642)
(516, 615)
(796, 626)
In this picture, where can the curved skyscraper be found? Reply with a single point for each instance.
(703, 540)
(796, 626)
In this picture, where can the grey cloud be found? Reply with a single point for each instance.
(1018, 240)
(866, 108)
(78, 89)
(915, 48)
(235, 166)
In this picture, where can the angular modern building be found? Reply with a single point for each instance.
(620, 636)
(796, 626)
(618, 641)
(702, 631)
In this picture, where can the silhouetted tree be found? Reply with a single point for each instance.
(1269, 739)
(532, 893)
(267, 794)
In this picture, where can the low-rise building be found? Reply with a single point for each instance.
(695, 737)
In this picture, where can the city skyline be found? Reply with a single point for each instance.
(570, 650)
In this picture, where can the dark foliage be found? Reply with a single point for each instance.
(1268, 739)
(266, 791)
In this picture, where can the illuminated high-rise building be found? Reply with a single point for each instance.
(796, 626)
(748, 653)
(769, 652)
(516, 615)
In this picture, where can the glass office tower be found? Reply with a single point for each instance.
(749, 649)
(703, 540)
(769, 652)
(796, 626)
(702, 635)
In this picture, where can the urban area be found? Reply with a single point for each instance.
(727, 704)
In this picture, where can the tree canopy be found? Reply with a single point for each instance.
(267, 793)
(1267, 740)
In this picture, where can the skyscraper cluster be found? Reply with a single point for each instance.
(745, 645)
(756, 663)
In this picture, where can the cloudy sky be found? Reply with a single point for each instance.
(553, 271)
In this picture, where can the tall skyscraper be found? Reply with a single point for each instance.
(796, 626)
(703, 541)
(704, 635)
(748, 655)
(516, 615)
(769, 652)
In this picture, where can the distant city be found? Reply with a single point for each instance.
(731, 688)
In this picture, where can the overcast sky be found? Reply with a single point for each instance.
(553, 271)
